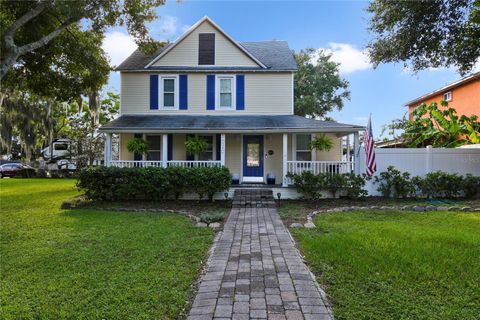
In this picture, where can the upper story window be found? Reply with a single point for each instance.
(447, 96)
(226, 92)
(168, 92)
(303, 151)
(206, 48)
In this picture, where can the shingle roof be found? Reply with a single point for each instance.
(247, 123)
(276, 55)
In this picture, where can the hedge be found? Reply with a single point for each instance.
(311, 185)
(112, 183)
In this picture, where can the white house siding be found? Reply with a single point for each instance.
(185, 53)
(265, 93)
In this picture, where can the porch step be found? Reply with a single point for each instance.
(253, 198)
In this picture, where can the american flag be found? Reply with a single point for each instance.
(371, 165)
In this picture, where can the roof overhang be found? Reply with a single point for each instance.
(443, 89)
(225, 124)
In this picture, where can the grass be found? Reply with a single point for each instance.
(397, 265)
(90, 264)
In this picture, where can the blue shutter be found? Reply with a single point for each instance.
(240, 92)
(218, 151)
(210, 92)
(170, 147)
(183, 92)
(154, 91)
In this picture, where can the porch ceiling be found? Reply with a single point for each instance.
(224, 124)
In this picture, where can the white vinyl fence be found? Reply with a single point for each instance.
(422, 161)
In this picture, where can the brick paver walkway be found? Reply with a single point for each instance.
(255, 272)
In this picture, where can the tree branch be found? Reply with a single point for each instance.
(27, 17)
(46, 39)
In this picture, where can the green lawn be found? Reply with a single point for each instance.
(397, 265)
(87, 264)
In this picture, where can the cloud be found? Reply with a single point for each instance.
(118, 46)
(350, 58)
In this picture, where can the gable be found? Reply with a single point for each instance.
(186, 51)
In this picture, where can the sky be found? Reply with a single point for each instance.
(339, 27)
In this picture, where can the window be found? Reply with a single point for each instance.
(169, 92)
(206, 48)
(154, 152)
(226, 92)
(303, 151)
(447, 96)
(207, 155)
(60, 146)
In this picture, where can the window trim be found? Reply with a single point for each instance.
(217, 91)
(176, 99)
(302, 150)
(448, 93)
(214, 145)
(145, 156)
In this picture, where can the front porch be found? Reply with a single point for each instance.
(252, 158)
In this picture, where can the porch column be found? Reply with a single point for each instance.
(347, 158)
(284, 160)
(356, 153)
(164, 150)
(222, 149)
(108, 150)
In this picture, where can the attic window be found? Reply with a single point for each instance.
(447, 96)
(206, 48)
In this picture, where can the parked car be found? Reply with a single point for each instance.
(15, 170)
(66, 165)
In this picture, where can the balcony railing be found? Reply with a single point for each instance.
(317, 167)
(176, 163)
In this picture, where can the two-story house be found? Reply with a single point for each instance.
(238, 96)
(462, 95)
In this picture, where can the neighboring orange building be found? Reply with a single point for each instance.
(462, 95)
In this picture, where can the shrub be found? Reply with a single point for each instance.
(354, 184)
(333, 182)
(102, 183)
(393, 183)
(215, 216)
(311, 185)
(471, 186)
(440, 184)
(209, 180)
(308, 184)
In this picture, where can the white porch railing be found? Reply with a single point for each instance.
(191, 164)
(177, 163)
(317, 167)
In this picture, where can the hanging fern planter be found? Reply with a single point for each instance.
(137, 145)
(321, 143)
(195, 146)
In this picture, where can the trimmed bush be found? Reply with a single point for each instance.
(311, 185)
(440, 184)
(112, 183)
(395, 184)
(210, 217)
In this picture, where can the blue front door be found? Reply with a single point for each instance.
(253, 156)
